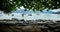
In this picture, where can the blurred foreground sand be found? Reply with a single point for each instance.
(21, 29)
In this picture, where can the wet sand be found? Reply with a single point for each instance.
(21, 29)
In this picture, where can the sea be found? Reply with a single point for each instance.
(31, 16)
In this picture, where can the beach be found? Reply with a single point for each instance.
(29, 25)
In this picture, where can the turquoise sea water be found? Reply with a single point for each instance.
(33, 17)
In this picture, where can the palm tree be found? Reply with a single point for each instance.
(10, 5)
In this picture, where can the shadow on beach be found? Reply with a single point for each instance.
(22, 29)
(38, 26)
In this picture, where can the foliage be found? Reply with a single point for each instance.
(10, 5)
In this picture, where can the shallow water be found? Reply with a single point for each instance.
(44, 16)
(33, 17)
